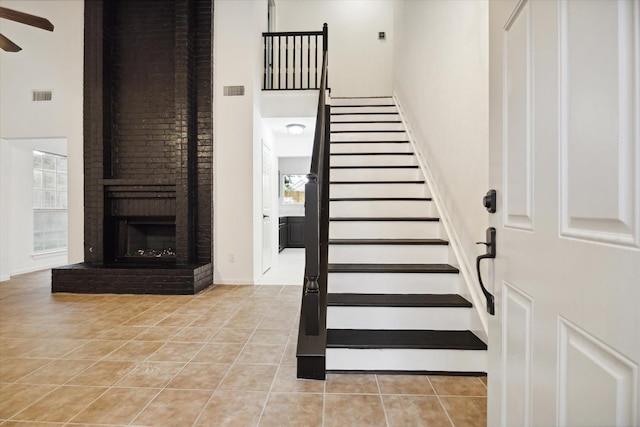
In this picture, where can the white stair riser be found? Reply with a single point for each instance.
(350, 110)
(373, 126)
(381, 208)
(388, 254)
(364, 118)
(377, 190)
(363, 174)
(393, 283)
(377, 160)
(406, 360)
(371, 147)
(369, 136)
(384, 230)
(415, 318)
(373, 100)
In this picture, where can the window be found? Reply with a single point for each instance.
(49, 202)
(294, 189)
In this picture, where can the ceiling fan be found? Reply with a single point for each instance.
(23, 18)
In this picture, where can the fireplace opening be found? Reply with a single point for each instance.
(142, 240)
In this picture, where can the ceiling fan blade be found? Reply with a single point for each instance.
(25, 18)
(7, 45)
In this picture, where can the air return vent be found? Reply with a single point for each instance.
(234, 91)
(41, 95)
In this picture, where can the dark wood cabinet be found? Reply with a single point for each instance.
(282, 232)
(291, 232)
(295, 227)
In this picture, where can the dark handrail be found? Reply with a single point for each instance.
(316, 217)
(312, 331)
(291, 56)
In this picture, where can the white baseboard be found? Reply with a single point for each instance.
(466, 265)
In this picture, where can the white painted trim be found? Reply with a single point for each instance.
(223, 282)
(50, 254)
(466, 265)
(36, 268)
(4, 278)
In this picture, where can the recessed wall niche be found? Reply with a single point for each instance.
(148, 140)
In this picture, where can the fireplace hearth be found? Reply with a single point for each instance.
(148, 139)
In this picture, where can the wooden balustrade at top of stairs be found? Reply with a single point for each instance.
(393, 297)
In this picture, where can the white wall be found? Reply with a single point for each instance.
(50, 61)
(16, 200)
(237, 142)
(359, 63)
(440, 77)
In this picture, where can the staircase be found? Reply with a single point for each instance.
(393, 300)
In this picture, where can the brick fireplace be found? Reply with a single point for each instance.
(147, 149)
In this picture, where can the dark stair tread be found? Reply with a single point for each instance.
(360, 122)
(356, 218)
(362, 113)
(417, 181)
(397, 300)
(392, 268)
(388, 242)
(373, 141)
(362, 105)
(392, 153)
(371, 199)
(377, 167)
(410, 339)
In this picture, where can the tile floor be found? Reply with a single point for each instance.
(223, 357)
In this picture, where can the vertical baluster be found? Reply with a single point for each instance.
(271, 40)
(294, 64)
(286, 65)
(301, 61)
(315, 78)
(308, 61)
(279, 62)
(264, 83)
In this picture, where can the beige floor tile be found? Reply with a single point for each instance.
(116, 406)
(261, 353)
(270, 336)
(56, 372)
(135, 350)
(233, 409)
(405, 384)
(208, 320)
(353, 410)
(176, 352)
(286, 381)
(12, 369)
(158, 333)
(415, 411)
(14, 347)
(293, 409)
(181, 320)
(146, 319)
(289, 357)
(151, 374)
(16, 397)
(61, 405)
(348, 383)
(122, 332)
(457, 386)
(174, 408)
(194, 334)
(466, 411)
(202, 376)
(53, 348)
(484, 380)
(31, 424)
(95, 349)
(228, 335)
(249, 378)
(219, 353)
(103, 373)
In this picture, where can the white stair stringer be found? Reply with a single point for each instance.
(393, 302)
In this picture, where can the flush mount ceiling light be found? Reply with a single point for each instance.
(295, 128)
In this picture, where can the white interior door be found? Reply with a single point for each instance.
(565, 160)
(267, 246)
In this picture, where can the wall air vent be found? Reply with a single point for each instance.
(234, 91)
(42, 95)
